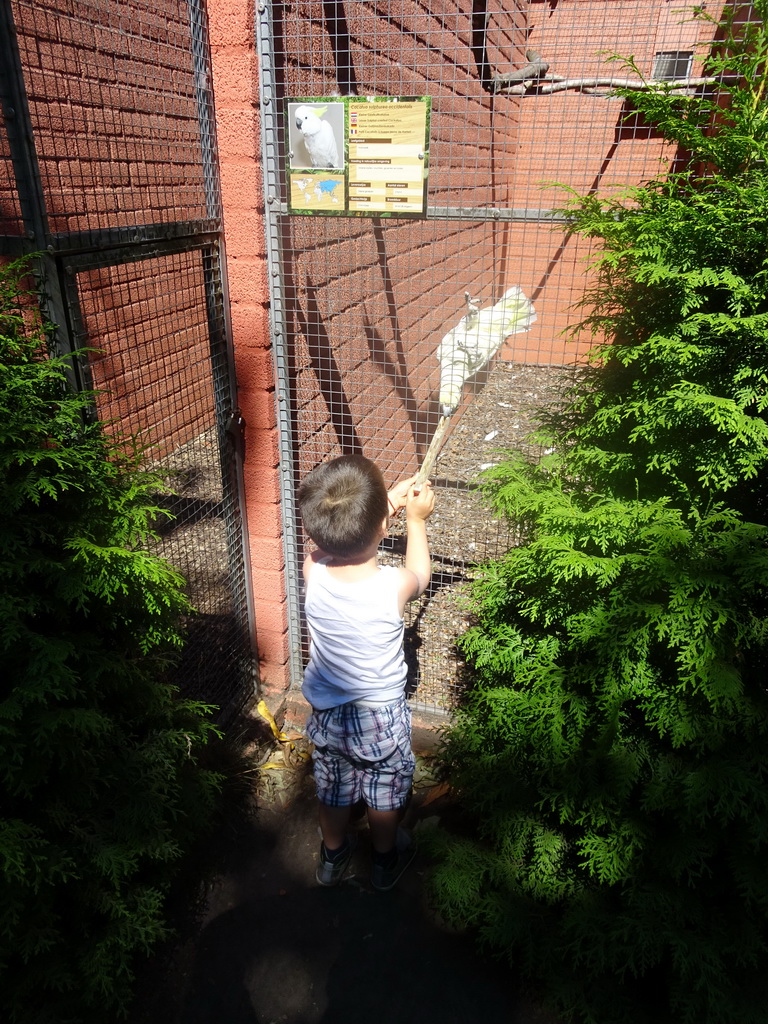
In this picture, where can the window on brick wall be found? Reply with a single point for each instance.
(668, 64)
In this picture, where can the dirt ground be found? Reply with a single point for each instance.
(264, 944)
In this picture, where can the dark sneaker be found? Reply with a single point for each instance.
(330, 872)
(383, 879)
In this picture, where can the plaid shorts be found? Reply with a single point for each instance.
(363, 752)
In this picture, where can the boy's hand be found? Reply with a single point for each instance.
(420, 501)
(398, 495)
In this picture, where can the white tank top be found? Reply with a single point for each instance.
(356, 633)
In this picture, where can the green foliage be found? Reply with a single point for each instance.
(612, 752)
(101, 785)
(724, 124)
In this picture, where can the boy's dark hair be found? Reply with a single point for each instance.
(342, 504)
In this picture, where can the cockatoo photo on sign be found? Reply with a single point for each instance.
(318, 135)
(475, 339)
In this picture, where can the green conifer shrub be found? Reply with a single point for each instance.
(612, 754)
(102, 789)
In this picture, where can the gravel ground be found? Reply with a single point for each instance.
(195, 539)
(462, 532)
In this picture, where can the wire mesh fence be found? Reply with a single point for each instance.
(113, 97)
(149, 321)
(374, 260)
(518, 98)
(112, 168)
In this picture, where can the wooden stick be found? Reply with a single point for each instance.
(434, 448)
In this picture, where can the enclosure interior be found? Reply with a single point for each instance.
(366, 300)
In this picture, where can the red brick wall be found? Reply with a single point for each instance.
(10, 211)
(581, 141)
(153, 365)
(235, 69)
(112, 98)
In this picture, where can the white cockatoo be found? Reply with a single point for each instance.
(476, 338)
(318, 136)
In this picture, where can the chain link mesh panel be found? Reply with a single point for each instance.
(150, 321)
(519, 100)
(113, 93)
(119, 175)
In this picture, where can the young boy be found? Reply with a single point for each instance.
(355, 680)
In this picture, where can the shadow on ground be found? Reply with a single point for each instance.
(269, 946)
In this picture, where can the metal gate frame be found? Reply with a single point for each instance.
(276, 218)
(60, 256)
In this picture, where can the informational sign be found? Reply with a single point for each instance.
(387, 152)
(358, 156)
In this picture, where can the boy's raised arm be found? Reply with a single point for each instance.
(418, 507)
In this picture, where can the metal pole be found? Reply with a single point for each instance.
(483, 214)
(271, 174)
(205, 112)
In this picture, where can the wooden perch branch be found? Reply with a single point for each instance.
(434, 448)
(535, 68)
(557, 83)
